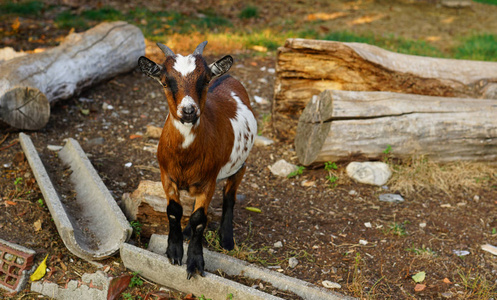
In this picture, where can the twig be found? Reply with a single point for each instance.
(6, 136)
(13, 143)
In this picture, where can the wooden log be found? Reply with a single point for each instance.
(29, 83)
(148, 205)
(305, 68)
(339, 125)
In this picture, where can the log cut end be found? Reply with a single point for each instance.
(312, 128)
(24, 108)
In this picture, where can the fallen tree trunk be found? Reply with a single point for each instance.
(339, 125)
(29, 83)
(307, 67)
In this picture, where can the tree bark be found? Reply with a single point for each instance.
(340, 125)
(307, 67)
(28, 84)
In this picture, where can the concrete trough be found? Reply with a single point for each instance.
(91, 225)
(236, 267)
(158, 269)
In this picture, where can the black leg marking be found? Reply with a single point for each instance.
(175, 240)
(195, 260)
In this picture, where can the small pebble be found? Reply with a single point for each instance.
(278, 244)
(476, 198)
(363, 242)
(128, 165)
(352, 193)
(422, 225)
(293, 262)
(54, 147)
(368, 225)
(391, 198)
(331, 285)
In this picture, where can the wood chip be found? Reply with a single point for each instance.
(489, 248)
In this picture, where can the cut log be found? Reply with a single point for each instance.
(339, 125)
(29, 83)
(148, 205)
(307, 67)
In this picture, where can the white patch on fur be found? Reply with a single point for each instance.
(186, 132)
(184, 64)
(186, 101)
(243, 121)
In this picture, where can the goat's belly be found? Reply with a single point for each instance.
(244, 129)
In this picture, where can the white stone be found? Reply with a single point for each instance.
(363, 242)
(422, 225)
(128, 165)
(282, 168)
(278, 244)
(262, 141)
(353, 192)
(368, 225)
(331, 285)
(54, 147)
(293, 262)
(391, 198)
(489, 248)
(375, 173)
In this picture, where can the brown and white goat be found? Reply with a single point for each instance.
(207, 137)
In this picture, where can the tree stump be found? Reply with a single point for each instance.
(29, 83)
(341, 125)
(305, 68)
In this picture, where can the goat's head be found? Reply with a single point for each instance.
(185, 80)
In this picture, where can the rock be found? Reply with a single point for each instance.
(95, 141)
(278, 244)
(461, 252)
(54, 147)
(352, 193)
(422, 225)
(456, 3)
(282, 168)
(293, 262)
(331, 285)
(260, 100)
(363, 242)
(368, 225)
(391, 198)
(447, 295)
(375, 173)
(308, 183)
(489, 248)
(262, 141)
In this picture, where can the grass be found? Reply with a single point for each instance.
(420, 173)
(491, 2)
(477, 285)
(30, 8)
(478, 47)
(297, 172)
(356, 285)
(396, 228)
(249, 12)
(423, 251)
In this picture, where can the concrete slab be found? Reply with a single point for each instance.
(92, 225)
(157, 268)
(236, 267)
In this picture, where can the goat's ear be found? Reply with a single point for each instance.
(221, 66)
(149, 67)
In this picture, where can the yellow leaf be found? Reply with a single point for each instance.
(253, 209)
(40, 271)
(37, 225)
(15, 26)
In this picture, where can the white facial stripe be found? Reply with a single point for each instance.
(185, 102)
(184, 64)
(244, 128)
(186, 132)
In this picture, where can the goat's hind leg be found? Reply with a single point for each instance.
(229, 199)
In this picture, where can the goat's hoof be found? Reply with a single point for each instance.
(227, 242)
(195, 264)
(175, 253)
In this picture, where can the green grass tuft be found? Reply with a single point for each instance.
(491, 2)
(478, 47)
(249, 12)
(22, 8)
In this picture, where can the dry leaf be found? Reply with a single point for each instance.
(446, 280)
(10, 202)
(15, 26)
(419, 277)
(37, 225)
(135, 136)
(117, 286)
(419, 287)
(40, 271)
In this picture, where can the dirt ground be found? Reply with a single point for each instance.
(321, 226)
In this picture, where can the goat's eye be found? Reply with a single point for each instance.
(164, 84)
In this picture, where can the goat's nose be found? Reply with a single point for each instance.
(188, 110)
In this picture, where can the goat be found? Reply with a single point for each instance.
(207, 137)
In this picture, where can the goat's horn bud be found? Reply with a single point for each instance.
(200, 48)
(166, 50)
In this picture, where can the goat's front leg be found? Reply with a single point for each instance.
(174, 213)
(229, 199)
(198, 222)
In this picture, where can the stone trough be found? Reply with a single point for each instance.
(97, 228)
(153, 265)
